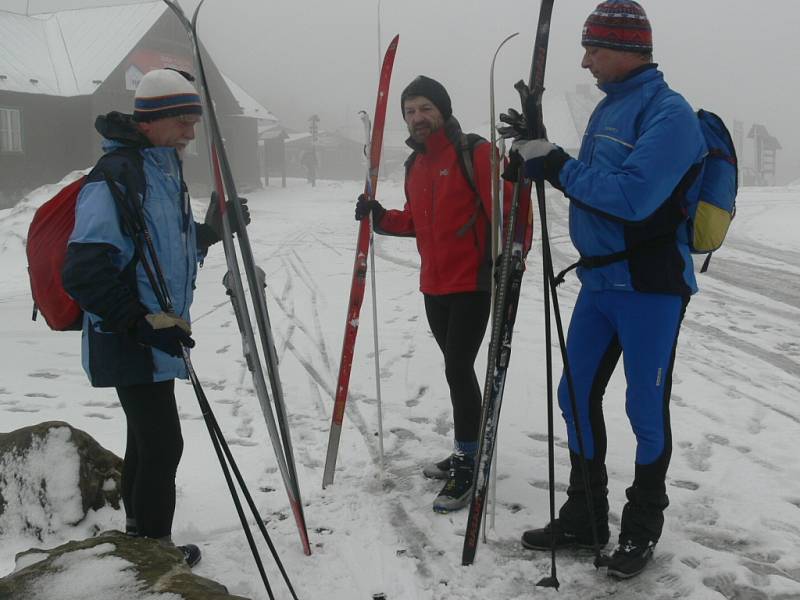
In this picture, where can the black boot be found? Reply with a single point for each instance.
(554, 533)
(572, 528)
(630, 557)
(642, 522)
(457, 492)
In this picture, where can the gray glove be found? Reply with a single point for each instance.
(165, 331)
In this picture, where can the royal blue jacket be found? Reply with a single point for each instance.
(107, 279)
(627, 183)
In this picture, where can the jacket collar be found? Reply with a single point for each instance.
(635, 79)
(119, 130)
(120, 127)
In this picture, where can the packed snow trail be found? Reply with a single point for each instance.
(734, 484)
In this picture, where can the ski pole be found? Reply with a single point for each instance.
(531, 97)
(371, 194)
(134, 221)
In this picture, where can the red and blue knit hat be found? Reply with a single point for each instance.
(165, 93)
(619, 25)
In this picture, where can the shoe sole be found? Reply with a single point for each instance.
(457, 504)
(572, 546)
(620, 575)
(442, 510)
(611, 572)
(441, 475)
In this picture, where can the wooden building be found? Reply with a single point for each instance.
(59, 70)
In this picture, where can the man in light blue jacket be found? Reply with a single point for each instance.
(626, 191)
(129, 342)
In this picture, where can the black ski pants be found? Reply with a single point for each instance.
(458, 322)
(152, 454)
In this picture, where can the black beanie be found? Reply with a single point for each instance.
(430, 89)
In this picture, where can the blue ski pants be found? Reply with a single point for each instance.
(643, 328)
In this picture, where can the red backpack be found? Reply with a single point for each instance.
(46, 248)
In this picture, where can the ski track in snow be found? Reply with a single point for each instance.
(732, 527)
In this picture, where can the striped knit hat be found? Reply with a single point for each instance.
(619, 25)
(165, 93)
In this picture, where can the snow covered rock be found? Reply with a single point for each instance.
(111, 566)
(51, 476)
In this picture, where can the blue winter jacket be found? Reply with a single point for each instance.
(627, 184)
(102, 273)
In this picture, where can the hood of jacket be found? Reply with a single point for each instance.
(120, 127)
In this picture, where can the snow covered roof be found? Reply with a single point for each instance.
(250, 106)
(70, 52)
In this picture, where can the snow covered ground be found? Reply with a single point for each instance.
(733, 527)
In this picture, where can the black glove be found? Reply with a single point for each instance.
(365, 206)
(516, 125)
(513, 167)
(516, 128)
(164, 331)
(214, 217)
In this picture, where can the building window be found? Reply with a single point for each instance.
(10, 130)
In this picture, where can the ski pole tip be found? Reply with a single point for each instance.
(548, 582)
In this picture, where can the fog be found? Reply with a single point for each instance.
(299, 57)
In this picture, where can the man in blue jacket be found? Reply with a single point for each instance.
(625, 218)
(128, 341)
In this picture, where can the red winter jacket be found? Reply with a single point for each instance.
(440, 204)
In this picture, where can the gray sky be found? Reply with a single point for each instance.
(734, 57)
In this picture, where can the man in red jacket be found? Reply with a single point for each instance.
(448, 210)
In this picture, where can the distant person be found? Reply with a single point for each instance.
(450, 217)
(128, 341)
(625, 191)
(309, 161)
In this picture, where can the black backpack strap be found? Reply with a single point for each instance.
(465, 151)
(408, 164)
(124, 166)
(595, 262)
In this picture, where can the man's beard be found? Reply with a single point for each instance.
(180, 148)
(421, 133)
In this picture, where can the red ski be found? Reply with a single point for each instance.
(360, 267)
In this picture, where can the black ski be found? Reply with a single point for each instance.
(506, 297)
(226, 187)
